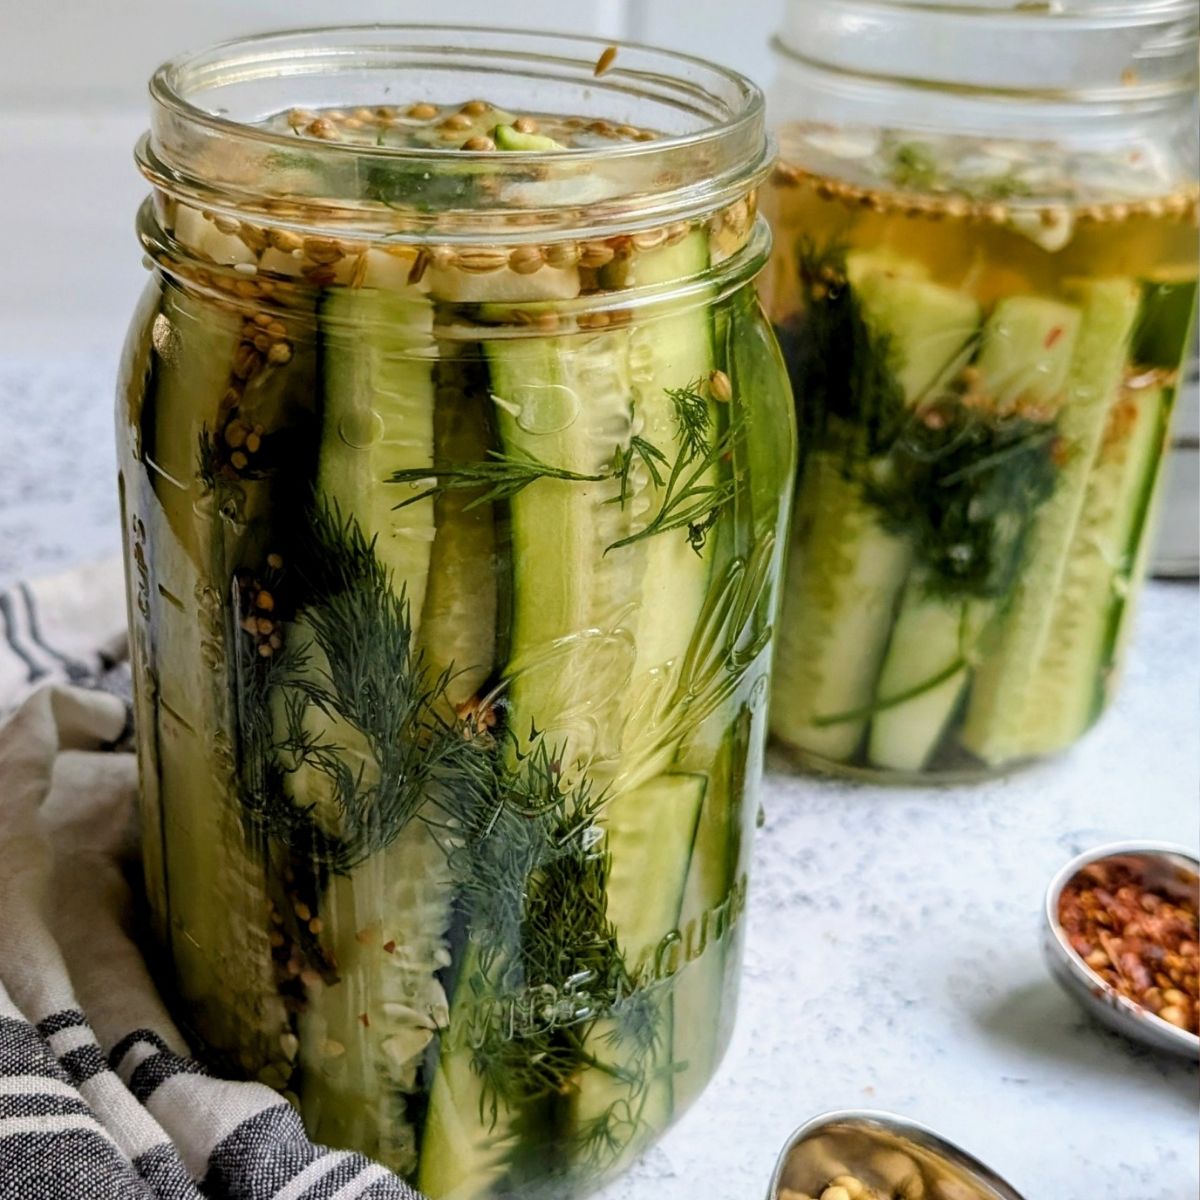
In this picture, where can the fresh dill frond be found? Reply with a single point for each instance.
(693, 419)
(964, 489)
(501, 476)
(693, 495)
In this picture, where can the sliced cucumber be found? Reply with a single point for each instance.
(567, 401)
(702, 1009)
(930, 328)
(1070, 681)
(844, 575)
(216, 894)
(650, 833)
(846, 570)
(458, 625)
(378, 418)
(1025, 357)
(997, 721)
(928, 661)
(364, 1036)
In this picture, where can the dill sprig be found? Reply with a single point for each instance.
(964, 489)
(693, 419)
(501, 476)
(691, 498)
(386, 748)
(693, 495)
(528, 855)
(961, 481)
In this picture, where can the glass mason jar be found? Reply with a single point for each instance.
(983, 280)
(454, 481)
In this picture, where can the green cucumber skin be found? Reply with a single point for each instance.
(1002, 690)
(846, 572)
(1025, 355)
(363, 1038)
(195, 538)
(930, 636)
(843, 579)
(1072, 677)
(378, 356)
(931, 326)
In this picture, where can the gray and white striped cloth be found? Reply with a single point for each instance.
(99, 1098)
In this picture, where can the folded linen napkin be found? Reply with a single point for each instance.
(99, 1098)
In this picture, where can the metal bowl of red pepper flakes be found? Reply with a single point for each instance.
(1121, 937)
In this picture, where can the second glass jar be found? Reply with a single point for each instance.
(984, 281)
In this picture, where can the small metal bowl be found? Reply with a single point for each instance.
(886, 1152)
(1174, 869)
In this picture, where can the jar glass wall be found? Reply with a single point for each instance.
(984, 281)
(454, 486)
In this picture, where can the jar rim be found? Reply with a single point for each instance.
(1109, 52)
(205, 140)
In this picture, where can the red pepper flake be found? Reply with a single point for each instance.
(1141, 940)
(389, 947)
(1053, 336)
(365, 1019)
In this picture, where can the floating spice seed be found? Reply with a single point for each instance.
(302, 910)
(651, 239)
(525, 260)
(323, 251)
(480, 260)
(479, 143)
(476, 108)
(279, 353)
(422, 112)
(300, 116)
(601, 127)
(386, 112)
(525, 125)
(235, 434)
(604, 63)
(455, 123)
(322, 128)
(595, 254)
(720, 387)
(562, 254)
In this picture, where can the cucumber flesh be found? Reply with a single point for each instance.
(931, 328)
(1024, 358)
(997, 722)
(458, 625)
(844, 575)
(1028, 344)
(566, 401)
(378, 418)
(213, 877)
(928, 655)
(364, 1036)
(650, 833)
(1069, 683)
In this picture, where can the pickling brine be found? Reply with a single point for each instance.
(452, 565)
(984, 379)
(984, 281)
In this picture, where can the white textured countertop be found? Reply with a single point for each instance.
(893, 956)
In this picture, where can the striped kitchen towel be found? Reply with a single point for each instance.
(99, 1098)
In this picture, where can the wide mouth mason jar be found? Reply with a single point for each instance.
(984, 281)
(455, 454)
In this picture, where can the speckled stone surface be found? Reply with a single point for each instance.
(893, 957)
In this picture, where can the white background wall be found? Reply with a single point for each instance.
(72, 99)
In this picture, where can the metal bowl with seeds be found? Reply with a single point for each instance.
(1160, 870)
